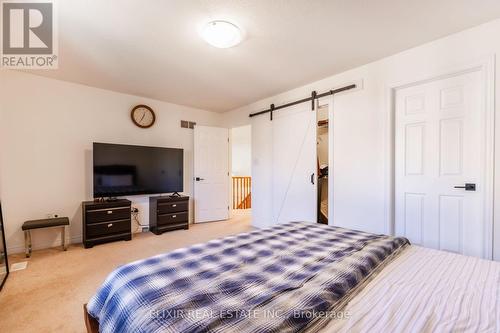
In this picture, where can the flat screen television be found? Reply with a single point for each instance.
(122, 170)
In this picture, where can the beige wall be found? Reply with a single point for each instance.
(46, 132)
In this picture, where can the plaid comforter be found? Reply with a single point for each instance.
(288, 278)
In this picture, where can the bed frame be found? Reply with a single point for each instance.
(90, 322)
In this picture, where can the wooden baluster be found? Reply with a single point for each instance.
(247, 192)
(250, 192)
(241, 188)
(234, 195)
(237, 193)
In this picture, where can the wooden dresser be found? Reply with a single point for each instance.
(106, 221)
(168, 213)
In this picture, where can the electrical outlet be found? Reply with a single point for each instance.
(134, 210)
(145, 229)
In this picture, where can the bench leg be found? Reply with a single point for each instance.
(27, 243)
(64, 245)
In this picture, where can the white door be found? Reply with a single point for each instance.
(440, 147)
(211, 174)
(294, 164)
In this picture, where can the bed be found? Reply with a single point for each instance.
(425, 290)
(299, 277)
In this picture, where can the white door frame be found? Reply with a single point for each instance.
(486, 67)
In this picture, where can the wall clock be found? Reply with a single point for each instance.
(143, 116)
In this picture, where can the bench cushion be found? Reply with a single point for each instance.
(45, 223)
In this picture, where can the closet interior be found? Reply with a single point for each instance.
(322, 127)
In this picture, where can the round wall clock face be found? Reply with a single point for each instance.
(143, 116)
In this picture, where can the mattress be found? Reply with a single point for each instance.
(292, 277)
(425, 290)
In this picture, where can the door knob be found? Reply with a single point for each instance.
(198, 179)
(468, 187)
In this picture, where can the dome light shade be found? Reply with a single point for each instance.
(221, 34)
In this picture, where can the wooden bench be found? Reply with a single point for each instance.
(44, 223)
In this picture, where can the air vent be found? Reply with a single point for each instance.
(187, 124)
(18, 266)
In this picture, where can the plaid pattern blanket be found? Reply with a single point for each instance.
(287, 278)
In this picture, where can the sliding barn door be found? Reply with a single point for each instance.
(294, 164)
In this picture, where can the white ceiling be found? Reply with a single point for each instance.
(152, 48)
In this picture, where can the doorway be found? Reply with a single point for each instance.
(323, 161)
(241, 170)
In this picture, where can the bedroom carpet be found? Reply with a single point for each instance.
(49, 295)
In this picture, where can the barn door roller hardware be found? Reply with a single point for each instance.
(312, 99)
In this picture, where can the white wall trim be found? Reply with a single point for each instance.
(486, 66)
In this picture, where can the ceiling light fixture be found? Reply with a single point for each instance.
(221, 34)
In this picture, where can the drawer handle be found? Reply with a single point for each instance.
(174, 205)
(109, 212)
(110, 225)
(174, 216)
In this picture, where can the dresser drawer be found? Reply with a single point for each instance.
(172, 207)
(108, 228)
(172, 218)
(107, 214)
